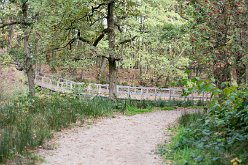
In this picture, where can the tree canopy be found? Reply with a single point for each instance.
(170, 39)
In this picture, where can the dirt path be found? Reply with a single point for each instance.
(124, 140)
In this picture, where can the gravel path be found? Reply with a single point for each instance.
(124, 140)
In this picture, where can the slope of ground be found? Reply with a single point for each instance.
(122, 140)
(129, 77)
(12, 82)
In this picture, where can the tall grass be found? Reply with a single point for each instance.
(27, 122)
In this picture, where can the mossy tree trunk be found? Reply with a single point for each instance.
(111, 58)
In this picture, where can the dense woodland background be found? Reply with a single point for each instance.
(198, 44)
(151, 43)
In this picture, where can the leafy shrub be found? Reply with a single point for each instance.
(218, 135)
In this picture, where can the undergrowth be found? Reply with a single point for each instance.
(133, 107)
(27, 122)
(217, 136)
(163, 103)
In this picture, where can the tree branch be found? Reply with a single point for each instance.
(100, 37)
(127, 40)
(118, 27)
(111, 58)
(183, 17)
(2, 25)
(84, 40)
(87, 15)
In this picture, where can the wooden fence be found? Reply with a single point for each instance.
(137, 93)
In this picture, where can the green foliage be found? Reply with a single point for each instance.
(172, 31)
(5, 59)
(174, 152)
(218, 135)
(17, 54)
(215, 37)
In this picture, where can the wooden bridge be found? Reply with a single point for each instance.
(136, 93)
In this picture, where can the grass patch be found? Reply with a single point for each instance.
(168, 108)
(134, 110)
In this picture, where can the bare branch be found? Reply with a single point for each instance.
(182, 16)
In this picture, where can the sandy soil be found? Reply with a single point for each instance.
(123, 140)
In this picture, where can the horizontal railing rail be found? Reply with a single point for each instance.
(139, 93)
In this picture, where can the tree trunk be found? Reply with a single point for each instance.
(221, 70)
(28, 57)
(102, 68)
(141, 75)
(111, 59)
(233, 74)
(240, 56)
(10, 36)
(28, 65)
(112, 78)
(167, 80)
(246, 75)
(31, 86)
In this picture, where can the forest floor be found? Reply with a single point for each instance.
(119, 140)
(129, 77)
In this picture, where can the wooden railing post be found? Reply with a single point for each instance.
(57, 84)
(129, 95)
(155, 94)
(50, 83)
(142, 97)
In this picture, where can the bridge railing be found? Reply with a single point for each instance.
(139, 93)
